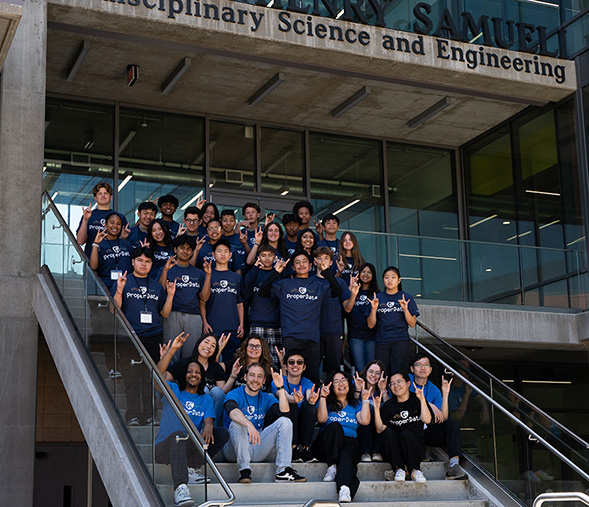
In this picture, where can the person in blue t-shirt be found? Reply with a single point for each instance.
(350, 258)
(360, 337)
(238, 239)
(271, 235)
(223, 312)
(182, 454)
(144, 303)
(159, 240)
(302, 399)
(192, 286)
(111, 255)
(264, 312)
(204, 250)
(304, 209)
(94, 220)
(168, 204)
(146, 213)
(259, 424)
(340, 414)
(391, 312)
(442, 432)
(331, 320)
(300, 301)
(330, 223)
(209, 212)
(292, 224)
(251, 214)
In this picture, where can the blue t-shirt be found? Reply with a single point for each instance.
(189, 282)
(264, 312)
(161, 254)
(347, 418)
(173, 226)
(221, 307)
(137, 236)
(142, 295)
(96, 222)
(254, 408)
(391, 325)
(331, 321)
(238, 255)
(206, 254)
(197, 406)
(305, 383)
(334, 245)
(290, 246)
(300, 305)
(113, 255)
(348, 270)
(357, 325)
(432, 393)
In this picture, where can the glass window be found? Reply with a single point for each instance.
(232, 150)
(160, 153)
(282, 161)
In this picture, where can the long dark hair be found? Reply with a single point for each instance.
(394, 270)
(215, 210)
(281, 246)
(333, 404)
(299, 245)
(373, 285)
(194, 354)
(200, 389)
(382, 367)
(167, 235)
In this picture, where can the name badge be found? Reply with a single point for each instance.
(145, 318)
(115, 274)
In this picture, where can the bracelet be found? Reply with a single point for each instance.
(233, 377)
(323, 397)
(95, 245)
(365, 401)
(279, 388)
(256, 244)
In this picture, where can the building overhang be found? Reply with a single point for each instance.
(10, 14)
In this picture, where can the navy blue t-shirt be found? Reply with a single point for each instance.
(161, 254)
(189, 282)
(96, 222)
(391, 325)
(137, 236)
(291, 246)
(173, 226)
(357, 325)
(331, 322)
(264, 312)
(206, 254)
(142, 295)
(300, 305)
(348, 270)
(221, 307)
(334, 245)
(113, 255)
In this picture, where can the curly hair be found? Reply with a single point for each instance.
(182, 378)
(265, 359)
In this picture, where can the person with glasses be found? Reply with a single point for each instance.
(252, 350)
(192, 216)
(223, 312)
(302, 398)
(340, 414)
(400, 420)
(442, 432)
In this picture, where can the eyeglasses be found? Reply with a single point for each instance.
(398, 382)
(255, 347)
(292, 362)
(191, 220)
(373, 372)
(421, 365)
(337, 382)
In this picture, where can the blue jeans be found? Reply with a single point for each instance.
(362, 352)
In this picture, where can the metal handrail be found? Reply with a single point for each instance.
(145, 356)
(506, 412)
(505, 386)
(560, 497)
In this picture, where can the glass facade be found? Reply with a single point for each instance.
(520, 240)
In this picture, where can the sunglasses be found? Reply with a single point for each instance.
(292, 362)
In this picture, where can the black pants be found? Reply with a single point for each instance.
(446, 434)
(368, 438)
(181, 454)
(310, 351)
(403, 449)
(333, 447)
(137, 377)
(395, 355)
(332, 352)
(303, 421)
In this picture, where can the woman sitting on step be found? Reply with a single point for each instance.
(171, 445)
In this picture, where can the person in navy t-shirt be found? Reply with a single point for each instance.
(159, 240)
(144, 302)
(292, 224)
(340, 413)
(94, 220)
(330, 223)
(223, 312)
(237, 239)
(146, 213)
(111, 255)
(391, 312)
(192, 286)
(204, 251)
(168, 204)
(251, 214)
(181, 453)
(300, 301)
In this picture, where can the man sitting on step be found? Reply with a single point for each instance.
(252, 434)
(441, 432)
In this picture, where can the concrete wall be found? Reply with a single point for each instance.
(22, 111)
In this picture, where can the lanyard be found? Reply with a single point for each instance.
(116, 253)
(143, 295)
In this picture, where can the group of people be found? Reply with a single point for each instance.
(245, 320)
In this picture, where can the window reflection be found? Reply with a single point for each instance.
(282, 161)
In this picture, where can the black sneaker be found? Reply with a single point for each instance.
(289, 475)
(455, 473)
(296, 455)
(245, 476)
(307, 457)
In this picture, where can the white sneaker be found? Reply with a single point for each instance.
(330, 474)
(400, 475)
(377, 456)
(344, 495)
(417, 476)
(195, 477)
(182, 496)
(365, 458)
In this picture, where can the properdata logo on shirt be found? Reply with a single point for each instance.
(223, 286)
(341, 417)
(250, 413)
(142, 293)
(184, 282)
(302, 293)
(403, 418)
(116, 253)
(390, 307)
(190, 410)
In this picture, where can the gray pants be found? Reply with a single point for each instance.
(179, 322)
(278, 435)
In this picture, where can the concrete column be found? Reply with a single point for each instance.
(22, 126)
